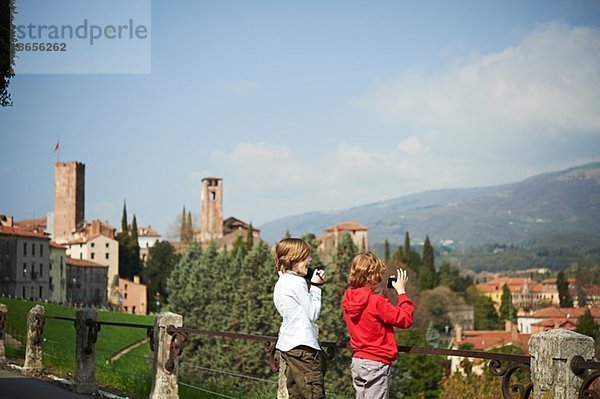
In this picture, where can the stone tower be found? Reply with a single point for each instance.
(69, 197)
(211, 199)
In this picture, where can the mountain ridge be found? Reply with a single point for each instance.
(551, 202)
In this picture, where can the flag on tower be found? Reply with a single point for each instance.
(56, 146)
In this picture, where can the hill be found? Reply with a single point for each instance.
(550, 204)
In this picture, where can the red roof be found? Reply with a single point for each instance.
(484, 340)
(554, 312)
(82, 263)
(346, 226)
(54, 244)
(20, 232)
(515, 285)
(30, 224)
(147, 232)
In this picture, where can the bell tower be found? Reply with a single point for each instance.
(211, 199)
(69, 197)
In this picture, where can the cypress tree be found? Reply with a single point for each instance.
(507, 309)
(406, 248)
(429, 261)
(386, 251)
(562, 285)
(189, 228)
(124, 225)
(249, 238)
(182, 226)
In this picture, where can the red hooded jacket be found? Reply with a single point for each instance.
(371, 319)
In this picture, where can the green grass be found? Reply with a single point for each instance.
(130, 374)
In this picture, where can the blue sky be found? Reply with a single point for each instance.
(305, 105)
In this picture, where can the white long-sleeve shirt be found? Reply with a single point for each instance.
(300, 309)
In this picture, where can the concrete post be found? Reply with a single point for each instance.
(164, 382)
(85, 353)
(3, 315)
(35, 336)
(551, 354)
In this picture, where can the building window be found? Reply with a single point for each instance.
(125, 287)
(24, 272)
(41, 269)
(23, 292)
(50, 265)
(106, 245)
(92, 255)
(93, 244)
(41, 250)
(32, 249)
(41, 291)
(125, 295)
(24, 250)
(80, 256)
(107, 255)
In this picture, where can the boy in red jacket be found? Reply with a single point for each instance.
(371, 319)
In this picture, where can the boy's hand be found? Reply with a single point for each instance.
(400, 283)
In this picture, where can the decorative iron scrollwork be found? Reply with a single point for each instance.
(92, 335)
(273, 360)
(506, 373)
(579, 366)
(38, 328)
(150, 335)
(178, 338)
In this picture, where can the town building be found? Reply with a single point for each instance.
(24, 261)
(329, 241)
(86, 283)
(526, 293)
(552, 317)
(69, 199)
(212, 226)
(147, 237)
(133, 296)
(58, 273)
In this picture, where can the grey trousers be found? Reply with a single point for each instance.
(371, 379)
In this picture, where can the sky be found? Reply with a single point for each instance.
(299, 105)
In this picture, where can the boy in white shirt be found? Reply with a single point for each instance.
(299, 304)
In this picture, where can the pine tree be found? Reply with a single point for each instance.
(386, 251)
(124, 224)
(507, 309)
(161, 262)
(586, 325)
(136, 263)
(287, 234)
(562, 285)
(181, 285)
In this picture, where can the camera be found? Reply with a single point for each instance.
(391, 279)
(315, 276)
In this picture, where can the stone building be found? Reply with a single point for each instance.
(69, 199)
(24, 261)
(147, 237)
(526, 293)
(58, 273)
(86, 283)
(212, 226)
(329, 241)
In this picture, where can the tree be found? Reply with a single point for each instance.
(124, 224)
(484, 311)
(507, 309)
(451, 277)
(161, 262)
(186, 230)
(386, 251)
(7, 53)
(562, 285)
(249, 238)
(586, 325)
(429, 260)
(406, 247)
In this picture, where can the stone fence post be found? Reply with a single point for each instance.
(164, 367)
(3, 315)
(85, 353)
(551, 354)
(35, 336)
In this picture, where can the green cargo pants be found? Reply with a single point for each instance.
(305, 372)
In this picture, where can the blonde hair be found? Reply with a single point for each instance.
(289, 252)
(366, 269)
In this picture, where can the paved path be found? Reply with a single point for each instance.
(16, 386)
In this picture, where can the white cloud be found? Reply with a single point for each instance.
(546, 86)
(411, 145)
